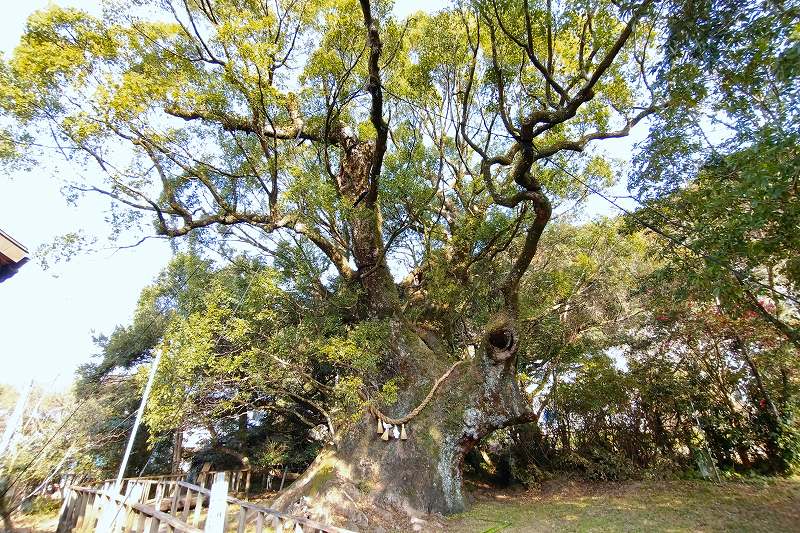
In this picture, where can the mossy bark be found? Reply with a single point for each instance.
(422, 474)
(360, 472)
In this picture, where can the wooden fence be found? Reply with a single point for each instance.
(147, 487)
(91, 510)
(259, 515)
(241, 480)
(156, 505)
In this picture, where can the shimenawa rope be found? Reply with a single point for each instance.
(402, 420)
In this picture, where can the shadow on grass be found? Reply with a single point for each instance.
(639, 506)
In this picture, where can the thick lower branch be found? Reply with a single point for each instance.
(375, 91)
(510, 287)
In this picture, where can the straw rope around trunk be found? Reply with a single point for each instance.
(404, 419)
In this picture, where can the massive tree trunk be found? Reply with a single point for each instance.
(448, 404)
(361, 472)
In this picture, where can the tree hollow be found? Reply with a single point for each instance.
(502, 342)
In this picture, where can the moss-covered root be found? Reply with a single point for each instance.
(325, 492)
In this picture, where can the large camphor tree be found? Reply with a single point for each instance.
(418, 160)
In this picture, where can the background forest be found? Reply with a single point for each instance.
(662, 342)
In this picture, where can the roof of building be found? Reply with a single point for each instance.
(12, 256)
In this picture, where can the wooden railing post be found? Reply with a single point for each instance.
(108, 510)
(130, 517)
(160, 487)
(82, 510)
(217, 505)
(93, 510)
(67, 510)
(175, 496)
(242, 519)
(187, 505)
(283, 479)
(122, 507)
(203, 476)
(90, 512)
(198, 508)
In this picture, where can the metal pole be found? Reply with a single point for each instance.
(138, 421)
(15, 421)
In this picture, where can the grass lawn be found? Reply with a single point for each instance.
(757, 505)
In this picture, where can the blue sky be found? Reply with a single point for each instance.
(47, 318)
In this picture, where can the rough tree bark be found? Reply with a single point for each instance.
(422, 474)
(360, 471)
(480, 395)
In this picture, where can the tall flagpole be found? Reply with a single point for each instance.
(138, 420)
(15, 422)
